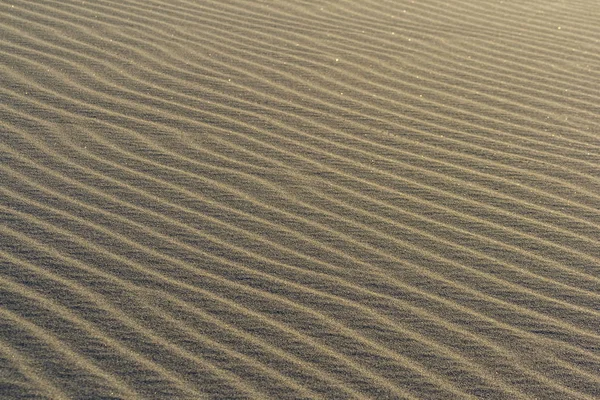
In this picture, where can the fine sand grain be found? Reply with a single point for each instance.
(294, 199)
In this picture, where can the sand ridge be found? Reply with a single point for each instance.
(299, 199)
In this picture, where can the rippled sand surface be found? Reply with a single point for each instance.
(299, 199)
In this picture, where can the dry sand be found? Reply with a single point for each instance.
(300, 199)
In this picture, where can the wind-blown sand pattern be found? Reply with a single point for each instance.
(300, 199)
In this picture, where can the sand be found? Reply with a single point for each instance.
(300, 199)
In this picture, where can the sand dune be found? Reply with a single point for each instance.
(300, 199)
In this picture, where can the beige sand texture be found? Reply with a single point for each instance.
(299, 199)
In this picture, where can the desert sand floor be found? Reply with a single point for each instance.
(299, 199)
